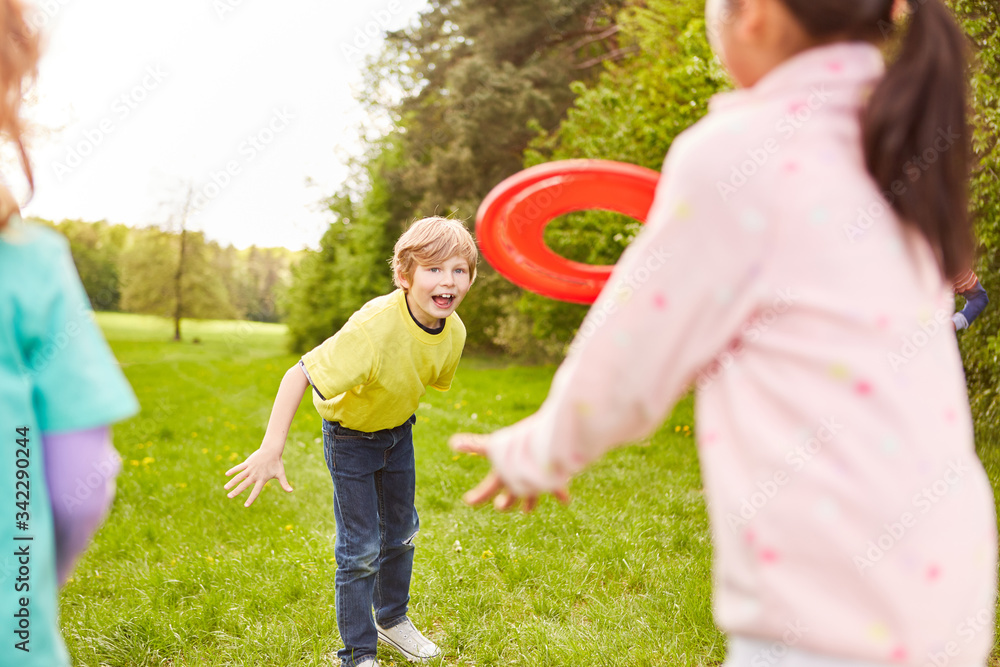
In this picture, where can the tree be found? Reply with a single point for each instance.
(267, 276)
(464, 91)
(351, 266)
(631, 113)
(149, 259)
(157, 281)
(477, 76)
(96, 249)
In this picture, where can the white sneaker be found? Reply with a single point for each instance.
(409, 641)
(368, 662)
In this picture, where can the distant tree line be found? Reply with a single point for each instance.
(133, 270)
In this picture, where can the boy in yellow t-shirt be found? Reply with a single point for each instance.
(367, 381)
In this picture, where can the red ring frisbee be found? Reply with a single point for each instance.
(511, 221)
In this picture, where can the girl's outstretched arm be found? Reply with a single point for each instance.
(265, 463)
(676, 299)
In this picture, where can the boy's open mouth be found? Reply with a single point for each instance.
(443, 300)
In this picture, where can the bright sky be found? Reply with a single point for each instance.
(244, 99)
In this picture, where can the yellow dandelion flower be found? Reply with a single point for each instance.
(487, 554)
(233, 456)
(455, 457)
(218, 457)
(289, 527)
(204, 450)
(134, 462)
(209, 559)
(147, 460)
(182, 485)
(193, 434)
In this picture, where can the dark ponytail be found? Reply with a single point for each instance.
(915, 131)
(916, 134)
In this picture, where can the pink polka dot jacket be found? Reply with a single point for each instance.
(849, 512)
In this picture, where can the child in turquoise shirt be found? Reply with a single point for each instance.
(59, 389)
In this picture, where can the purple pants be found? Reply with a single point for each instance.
(80, 470)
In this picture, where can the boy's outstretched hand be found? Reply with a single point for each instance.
(261, 466)
(492, 485)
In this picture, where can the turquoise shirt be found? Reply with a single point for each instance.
(57, 374)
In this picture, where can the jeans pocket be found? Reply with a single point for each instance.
(329, 451)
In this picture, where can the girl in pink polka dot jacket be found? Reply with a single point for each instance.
(853, 523)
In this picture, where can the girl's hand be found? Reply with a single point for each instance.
(261, 466)
(492, 486)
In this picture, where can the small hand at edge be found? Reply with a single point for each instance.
(492, 486)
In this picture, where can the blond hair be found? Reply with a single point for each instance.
(19, 51)
(430, 241)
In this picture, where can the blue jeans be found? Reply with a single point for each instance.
(373, 486)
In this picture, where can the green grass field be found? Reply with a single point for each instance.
(181, 575)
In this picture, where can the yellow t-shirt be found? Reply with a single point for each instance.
(371, 374)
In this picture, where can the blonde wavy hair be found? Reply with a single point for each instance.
(429, 241)
(19, 52)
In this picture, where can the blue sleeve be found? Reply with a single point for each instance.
(76, 381)
(976, 300)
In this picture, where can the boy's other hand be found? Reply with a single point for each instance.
(492, 486)
(257, 470)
